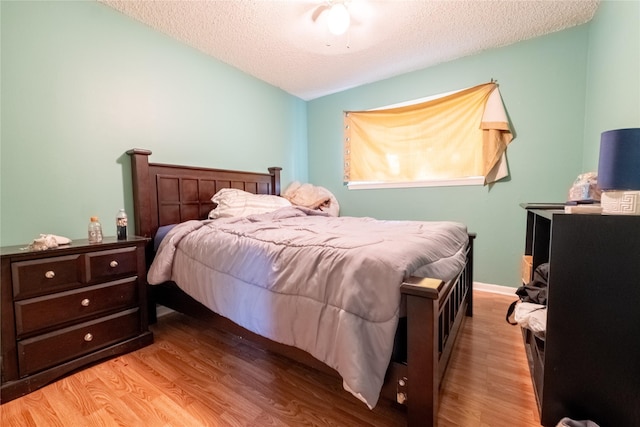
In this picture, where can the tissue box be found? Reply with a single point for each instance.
(620, 202)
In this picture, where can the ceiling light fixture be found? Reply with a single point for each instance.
(338, 19)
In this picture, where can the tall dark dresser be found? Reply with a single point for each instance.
(588, 367)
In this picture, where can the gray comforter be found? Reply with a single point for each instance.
(327, 285)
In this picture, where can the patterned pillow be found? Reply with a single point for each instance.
(233, 203)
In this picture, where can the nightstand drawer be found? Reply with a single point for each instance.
(52, 310)
(40, 276)
(106, 265)
(44, 351)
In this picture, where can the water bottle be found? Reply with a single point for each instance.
(121, 225)
(95, 230)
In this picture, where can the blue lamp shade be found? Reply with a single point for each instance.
(619, 163)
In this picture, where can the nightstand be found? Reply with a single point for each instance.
(68, 307)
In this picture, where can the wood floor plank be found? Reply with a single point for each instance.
(16, 415)
(195, 376)
(178, 415)
(40, 410)
(105, 396)
(70, 404)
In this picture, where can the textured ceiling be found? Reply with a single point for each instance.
(286, 44)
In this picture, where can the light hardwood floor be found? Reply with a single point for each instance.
(193, 376)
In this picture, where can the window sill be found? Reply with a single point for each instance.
(472, 180)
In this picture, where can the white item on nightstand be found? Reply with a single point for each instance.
(620, 202)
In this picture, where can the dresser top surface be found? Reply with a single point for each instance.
(75, 245)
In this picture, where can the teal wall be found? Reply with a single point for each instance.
(613, 74)
(82, 84)
(542, 82)
(561, 91)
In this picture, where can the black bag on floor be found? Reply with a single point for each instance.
(535, 291)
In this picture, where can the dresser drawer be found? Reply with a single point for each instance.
(52, 310)
(106, 265)
(44, 351)
(40, 276)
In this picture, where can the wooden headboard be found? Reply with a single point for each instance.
(168, 194)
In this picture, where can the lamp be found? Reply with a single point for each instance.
(619, 171)
(338, 19)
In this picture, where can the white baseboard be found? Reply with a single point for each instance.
(161, 310)
(496, 289)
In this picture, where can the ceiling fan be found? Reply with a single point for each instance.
(338, 17)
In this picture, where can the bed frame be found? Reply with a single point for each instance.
(432, 310)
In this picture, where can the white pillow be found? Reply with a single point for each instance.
(232, 203)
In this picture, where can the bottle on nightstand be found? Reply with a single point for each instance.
(121, 225)
(95, 230)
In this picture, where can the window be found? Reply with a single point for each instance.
(456, 139)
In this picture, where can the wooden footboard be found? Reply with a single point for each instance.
(434, 313)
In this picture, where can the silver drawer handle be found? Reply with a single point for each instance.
(88, 337)
(50, 274)
(85, 302)
(113, 263)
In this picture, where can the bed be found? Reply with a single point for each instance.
(428, 313)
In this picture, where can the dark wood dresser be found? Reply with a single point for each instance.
(588, 366)
(68, 307)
